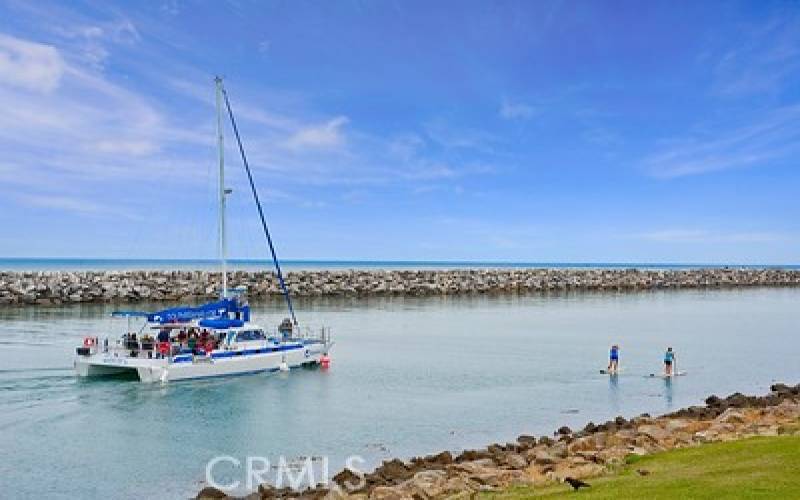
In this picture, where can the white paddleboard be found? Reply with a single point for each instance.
(661, 375)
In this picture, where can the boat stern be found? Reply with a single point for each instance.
(104, 364)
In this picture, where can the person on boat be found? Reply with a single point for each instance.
(192, 342)
(163, 342)
(613, 359)
(285, 328)
(669, 362)
(163, 335)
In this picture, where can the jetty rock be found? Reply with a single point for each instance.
(597, 450)
(58, 287)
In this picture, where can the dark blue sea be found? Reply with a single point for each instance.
(75, 264)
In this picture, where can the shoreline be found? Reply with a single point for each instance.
(65, 287)
(596, 450)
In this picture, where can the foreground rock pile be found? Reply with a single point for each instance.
(133, 286)
(592, 451)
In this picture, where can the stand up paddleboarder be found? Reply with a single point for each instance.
(613, 361)
(669, 362)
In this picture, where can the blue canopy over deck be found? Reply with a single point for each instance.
(224, 310)
(221, 324)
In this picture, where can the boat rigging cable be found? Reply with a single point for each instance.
(284, 289)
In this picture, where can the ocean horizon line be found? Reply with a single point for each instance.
(113, 263)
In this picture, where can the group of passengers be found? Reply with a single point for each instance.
(194, 340)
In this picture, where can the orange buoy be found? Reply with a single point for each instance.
(325, 361)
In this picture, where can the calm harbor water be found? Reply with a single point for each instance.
(409, 376)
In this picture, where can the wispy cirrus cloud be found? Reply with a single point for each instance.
(200, 90)
(446, 135)
(80, 115)
(100, 129)
(76, 205)
(302, 148)
(127, 147)
(170, 8)
(515, 110)
(773, 135)
(765, 57)
(67, 121)
(92, 40)
(748, 74)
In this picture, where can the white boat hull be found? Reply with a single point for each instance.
(201, 366)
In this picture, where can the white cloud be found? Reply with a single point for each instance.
(91, 42)
(292, 146)
(61, 203)
(29, 65)
(287, 145)
(73, 205)
(516, 110)
(63, 123)
(94, 129)
(118, 31)
(130, 147)
(328, 135)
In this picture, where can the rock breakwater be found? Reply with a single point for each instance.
(595, 450)
(134, 286)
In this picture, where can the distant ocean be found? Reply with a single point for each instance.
(75, 264)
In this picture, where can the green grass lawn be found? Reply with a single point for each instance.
(766, 467)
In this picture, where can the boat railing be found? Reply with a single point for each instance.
(320, 334)
(130, 346)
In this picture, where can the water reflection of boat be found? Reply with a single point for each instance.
(212, 339)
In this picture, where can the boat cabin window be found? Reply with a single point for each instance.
(250, 335)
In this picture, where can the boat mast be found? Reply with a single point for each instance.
(223, 248)
(260, 208)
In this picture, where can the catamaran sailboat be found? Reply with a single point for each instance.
(212, 339)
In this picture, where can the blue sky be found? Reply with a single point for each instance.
(527, 131)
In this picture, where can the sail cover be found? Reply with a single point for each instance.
(220, 309)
